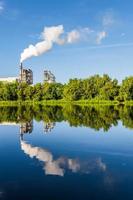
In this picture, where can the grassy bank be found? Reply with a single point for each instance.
(63, 102)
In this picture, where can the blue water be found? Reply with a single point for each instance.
(66, 162)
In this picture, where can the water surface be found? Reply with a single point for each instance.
(68, 152)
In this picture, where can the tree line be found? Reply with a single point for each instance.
(93, 88)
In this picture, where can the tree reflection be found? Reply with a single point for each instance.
(95, 117)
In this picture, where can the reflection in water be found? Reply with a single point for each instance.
(48, 126)
(26, 127)
(95, 117)
(98, 166)
(58, 166)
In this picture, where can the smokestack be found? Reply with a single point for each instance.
(21, 65)
(21, 69)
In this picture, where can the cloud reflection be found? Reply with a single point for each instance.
(60, 165)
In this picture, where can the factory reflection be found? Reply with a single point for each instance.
(27, 127)
(49, 126)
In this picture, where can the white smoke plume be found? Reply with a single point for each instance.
(100, 36)
(50, 36)
(73, 36)
(57, 35)
(58, 166)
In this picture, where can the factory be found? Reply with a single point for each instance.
(49, 77)
(26, 76)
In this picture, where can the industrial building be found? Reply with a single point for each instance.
(26, 76)
(49, 77)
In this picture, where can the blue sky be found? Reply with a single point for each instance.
(21, 24)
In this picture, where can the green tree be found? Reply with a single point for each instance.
(52, 91)
(126, 89)
(73, 90)
(37, 96)
(21, 91)
(109, 91)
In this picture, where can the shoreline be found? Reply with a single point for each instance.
(63, 102)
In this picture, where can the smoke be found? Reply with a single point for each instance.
(100, 36)
(60, 165)
(73, 36)
(57, 35)
(50, 36)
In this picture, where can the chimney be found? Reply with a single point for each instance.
(21, 71)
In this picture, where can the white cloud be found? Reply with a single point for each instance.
(100, 36)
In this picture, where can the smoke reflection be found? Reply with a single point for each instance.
(60, 165)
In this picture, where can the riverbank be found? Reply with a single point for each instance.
(63, 102)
